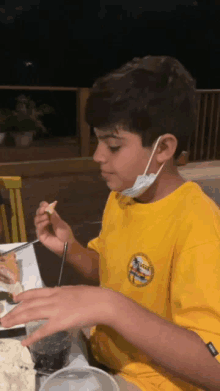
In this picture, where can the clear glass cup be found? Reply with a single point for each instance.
(51, 353)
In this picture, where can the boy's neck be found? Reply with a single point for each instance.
(168, 182)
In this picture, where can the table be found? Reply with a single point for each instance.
(31, 279)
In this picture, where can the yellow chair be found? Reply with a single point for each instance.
(17, 233)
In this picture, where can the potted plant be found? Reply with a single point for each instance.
(4, 115)
(24, 122)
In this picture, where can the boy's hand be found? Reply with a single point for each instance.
(61, 232)
(64, 307)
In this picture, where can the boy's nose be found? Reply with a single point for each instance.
(99, 155)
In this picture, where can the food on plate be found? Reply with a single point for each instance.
(17, 368)
(51, 207)
(9, 270)
(8, 290)
(2, 308)
(10, 275)
(11, 288)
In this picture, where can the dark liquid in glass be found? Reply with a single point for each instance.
(50, 363)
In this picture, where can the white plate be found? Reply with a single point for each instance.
(29, 272)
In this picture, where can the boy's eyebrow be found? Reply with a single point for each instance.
(109, 136)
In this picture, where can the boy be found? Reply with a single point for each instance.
(157, 309)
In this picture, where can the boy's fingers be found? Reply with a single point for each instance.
(41, 211)
(41, 219)
(41, 333)
(35, 293)
(43, 204)
(41, 223)
(55, 218)
(40, 228)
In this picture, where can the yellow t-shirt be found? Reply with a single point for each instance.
(165, 256)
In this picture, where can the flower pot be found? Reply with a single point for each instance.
(2, 137)
(23, 139)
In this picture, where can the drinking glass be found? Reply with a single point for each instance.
(52, 352)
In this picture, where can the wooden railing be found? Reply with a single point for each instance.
(206, 138)
(206, 144)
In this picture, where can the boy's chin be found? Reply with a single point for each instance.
(114, 187)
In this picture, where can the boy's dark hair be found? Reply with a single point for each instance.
(148, 96)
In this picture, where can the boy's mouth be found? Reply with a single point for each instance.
(104, 173)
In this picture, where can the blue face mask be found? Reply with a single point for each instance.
(143, 182)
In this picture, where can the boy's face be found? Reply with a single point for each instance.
(121, 157)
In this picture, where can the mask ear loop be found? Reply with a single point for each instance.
(152, 155)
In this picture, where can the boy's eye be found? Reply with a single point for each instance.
(114, 149)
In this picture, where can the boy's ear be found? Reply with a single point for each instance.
(167, 147)
(183, 159)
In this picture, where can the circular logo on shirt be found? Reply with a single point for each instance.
(140, 270)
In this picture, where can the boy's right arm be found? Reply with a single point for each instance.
(85, 260)
(53, 232)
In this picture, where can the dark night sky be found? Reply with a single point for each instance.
(72, 42)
